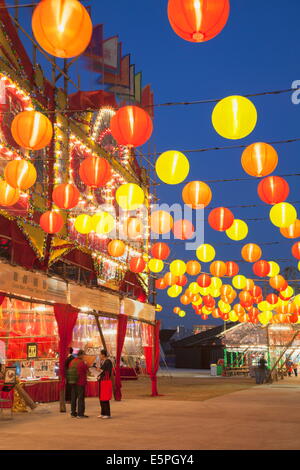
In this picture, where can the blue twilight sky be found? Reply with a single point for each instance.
(257, 51)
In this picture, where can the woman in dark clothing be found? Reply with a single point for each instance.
(105, 374)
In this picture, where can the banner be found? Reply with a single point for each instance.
(93, 299)
(138, 310)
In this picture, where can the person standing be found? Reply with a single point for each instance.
(67, 363)
(262, 369)
(295, 367)
(105, 385)
(77, 377)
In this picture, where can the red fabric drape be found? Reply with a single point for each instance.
(152, 358)
(2, 297)
(121, 333)
(66, 317)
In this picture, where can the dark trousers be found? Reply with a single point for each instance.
(296, 372)
(77, 394)
(105, 408)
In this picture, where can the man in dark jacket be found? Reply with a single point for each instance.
(77, 377)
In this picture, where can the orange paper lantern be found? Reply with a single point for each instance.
(62, 27)
(293, 231)
(133, 228)
(220, 219)
(95, 171)
(131, 126)
(193, 268)
(161, 222)
(8, 195)
(116, 248)
(160, 284)
(160, 251)
(196, 194)
(51, 222)
(65, 196)
(273, 189)
(185, 300)
(218, 268)
(198, 21)
(20, 174)
(32, 130)
(183, 229)
(272, 299)
(251, 252)
(232, 268)
(259, 159)
(278, 282)
(170, 279)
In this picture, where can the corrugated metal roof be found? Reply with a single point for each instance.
(203, 337)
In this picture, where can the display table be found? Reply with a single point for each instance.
(128, 373)
(44, 391)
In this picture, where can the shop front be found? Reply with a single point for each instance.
(36, 331)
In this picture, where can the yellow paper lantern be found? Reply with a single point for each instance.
(206, 311)
(274, 269)
(205, 253)
(214, 292)
(283, 214)
(298, 265)
(182, 313)
(234, 117)
(130, 196)
(224, 306)
(264, 306)
(172, 167)
(265, 317)
(103, 223)
(239, 281)
(194, 287)
(178, 267)
(297, 300)
(156, 265)
(174, 291)
(204, 290)
(216, 283)
(198, 302)
(83, 224)
(288, 292)
(233, 316)
(238, 230)
(158, 308)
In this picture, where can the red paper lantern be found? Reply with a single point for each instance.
(131, 126)
(294, 318)
(218, 268)
(220, 219)
(232, 268)
(183, 229)
(160, 251)
(65, 196)
(296, 250)
(204, 317)
(51, 222)
(181, 281)
(204, 280)
(273, 190)
(261, 268)
(208, 301)
(137, 264)
(272, 299)
(198, 21)
(196, 194)
(256, 291)
(251, 252)
(95, 171)
(160, 283)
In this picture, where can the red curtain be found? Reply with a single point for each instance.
(121, 333)
(66, 317)
(152, 358)
(2, 297)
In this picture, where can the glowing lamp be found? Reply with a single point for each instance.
(234, 117)
(20, 174)
(196, 194)
(172, 167)
(32, 130)
(131, 126)
(51, 222)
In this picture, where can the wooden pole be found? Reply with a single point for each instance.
(100, 332)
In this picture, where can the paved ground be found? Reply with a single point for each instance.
(260, 417)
